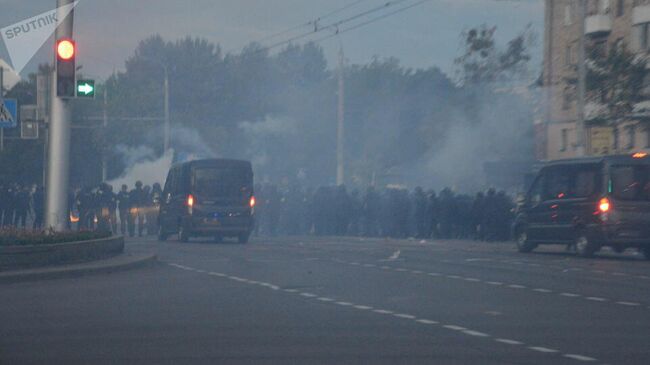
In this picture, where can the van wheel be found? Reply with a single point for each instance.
(646, 252)
(243, 238)
(523, 244)
(162, 235)
(183, 234)
(584, 246)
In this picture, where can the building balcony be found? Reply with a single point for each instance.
(641, 14)
(598, 24)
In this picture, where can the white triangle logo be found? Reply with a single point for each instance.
(26, 37)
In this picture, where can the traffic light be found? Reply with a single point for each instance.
(66, 50)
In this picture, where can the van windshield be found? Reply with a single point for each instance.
(631, 182)
(220, 182)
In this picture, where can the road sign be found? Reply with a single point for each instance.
(85, 88)
(8, 113)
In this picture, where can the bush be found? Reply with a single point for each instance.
(18, 237)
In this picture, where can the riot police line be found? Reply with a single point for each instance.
(390, 212)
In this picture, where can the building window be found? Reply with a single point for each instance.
(566, 99)
(565, 140)
(603, 6)
(620, 7)
(631, 134)
(567, 15)
(643, 35)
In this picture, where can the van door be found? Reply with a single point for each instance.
(537, 210)
(557, 193)
(165, 203)
(577, 206)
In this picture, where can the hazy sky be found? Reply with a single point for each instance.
(107, 31)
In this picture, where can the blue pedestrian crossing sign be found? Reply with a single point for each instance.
(8, 113)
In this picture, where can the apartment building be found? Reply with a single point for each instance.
(607, 24)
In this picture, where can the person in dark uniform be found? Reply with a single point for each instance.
(22, 198)
(138, 200)
(10, 206)
(152, 219)
(38, 204)
(123, 205)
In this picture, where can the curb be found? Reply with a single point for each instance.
(114, 264)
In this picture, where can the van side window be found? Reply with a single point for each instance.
(558, 184)
(585, 183)
(536, 191)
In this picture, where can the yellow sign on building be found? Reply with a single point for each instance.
(601, 141)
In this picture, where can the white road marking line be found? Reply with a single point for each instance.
(368, 265)
(395, 255)
(543, 349)
(416, 272)
(382, 311)
(494, 282)
(619, 274)
(402, 315)
(508, 342)
(423, 321)
(598, 271)
(516, 286)
(386, 267)
(355, 263)
(630, 304)
(454, 277)
(434, 274)
(596, 299)
(579, 357)
(474, 280)
(454, 327)
(643, 277)
(475, 333)
(400, 269)
(570, 295)
(540, 290)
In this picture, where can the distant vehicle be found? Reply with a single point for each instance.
(588, 203)
(206, 198)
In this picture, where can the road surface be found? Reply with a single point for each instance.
(337, 301)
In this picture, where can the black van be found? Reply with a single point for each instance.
(588, 203)
(208, 198)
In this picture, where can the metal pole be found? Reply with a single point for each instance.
(340, 168)
(582, 77)
(2, 95)
(167, 121)
(59, 144)
(104, 134)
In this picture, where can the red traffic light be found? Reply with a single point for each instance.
(65, 49)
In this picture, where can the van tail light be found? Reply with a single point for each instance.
(604, 205)
(190, 200)
(252, 202)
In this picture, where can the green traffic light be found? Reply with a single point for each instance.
(85, 88)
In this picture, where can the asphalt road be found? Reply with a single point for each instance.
(337, 301)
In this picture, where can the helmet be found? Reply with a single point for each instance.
(138, 184)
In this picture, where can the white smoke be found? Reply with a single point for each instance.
(149, 171)
(143, 164)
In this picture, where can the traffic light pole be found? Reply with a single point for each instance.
(58, 174)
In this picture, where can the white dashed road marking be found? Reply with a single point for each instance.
(459, 329)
